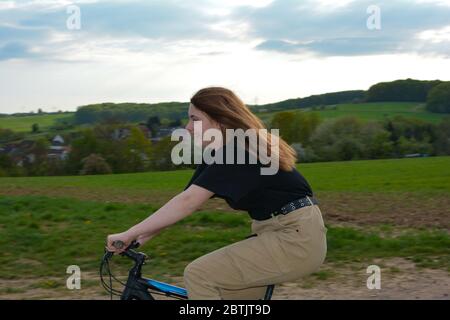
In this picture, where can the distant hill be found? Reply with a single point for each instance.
(368, 111)
(352, 96)
(408, 90)
(401, 90)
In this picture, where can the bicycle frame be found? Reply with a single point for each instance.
(139, 288)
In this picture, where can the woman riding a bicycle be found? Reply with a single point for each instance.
(289, 235)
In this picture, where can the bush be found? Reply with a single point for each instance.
(442, 143)
(349, 138)
(95, 164)
(304, 154)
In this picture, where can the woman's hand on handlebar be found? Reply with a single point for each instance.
(123, 237)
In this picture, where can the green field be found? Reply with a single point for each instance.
(23, 124)
(428, 175)
(371, 111)
(47, 223)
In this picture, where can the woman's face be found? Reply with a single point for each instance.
(205, 121)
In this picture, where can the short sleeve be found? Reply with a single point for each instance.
(232, 181)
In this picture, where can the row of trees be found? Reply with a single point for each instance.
(315, 100)
(129, 112)
(401, 90)
(350, 138)
(95, 152)
(435, 93)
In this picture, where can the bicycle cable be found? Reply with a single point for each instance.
(114, 292)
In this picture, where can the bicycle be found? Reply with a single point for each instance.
(138, 287)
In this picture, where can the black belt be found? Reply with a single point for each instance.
(294, 205)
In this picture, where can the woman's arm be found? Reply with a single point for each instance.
(176, 209)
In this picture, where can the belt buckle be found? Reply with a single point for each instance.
(284, 210)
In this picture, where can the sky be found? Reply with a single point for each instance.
(59, 55)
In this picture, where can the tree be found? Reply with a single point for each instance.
(295, 126)
(82, 147)
(153, 123)
(284, 121)
(175, 123)
(138, 150)
(7, 135)
(408, 134)
(38, 164)
(8, 167)
(401, 90)
(439, 98)
(161, 155)
(442, 143)
(35, 128)
(95, 164)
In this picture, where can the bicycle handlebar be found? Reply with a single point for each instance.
(118, 244)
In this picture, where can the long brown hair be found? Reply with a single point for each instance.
(225, 107)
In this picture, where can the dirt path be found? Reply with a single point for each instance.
(400, 279)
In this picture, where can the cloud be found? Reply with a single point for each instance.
(14, 50)
(289, 26)
(321, 28)
(134, 23)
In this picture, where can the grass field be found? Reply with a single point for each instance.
(49, 223)
(425, 175)
(23, 124)
(371, 111)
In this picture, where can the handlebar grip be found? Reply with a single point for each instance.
(118, 244)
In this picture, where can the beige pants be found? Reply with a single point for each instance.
(286, 248)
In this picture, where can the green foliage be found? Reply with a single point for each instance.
(153, 123)
(95, 164)
(348, 138)
(161, 155)
(295, 127)
(439, 98)
(138, 150)
(401, 90)
(314, 100)
(40, 164)
(442, 143)
(35, 128)
(411, 135)
(129, 112)
(7, 135)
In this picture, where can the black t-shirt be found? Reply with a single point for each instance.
(244, 187)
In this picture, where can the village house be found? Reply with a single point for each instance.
(58, 150)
